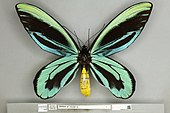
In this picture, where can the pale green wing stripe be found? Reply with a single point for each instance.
(62, 60)
(124, 16)
(58, 68)
(108, 68)
(41, 15)
(99, 74)
(106, 60)
(113, 76)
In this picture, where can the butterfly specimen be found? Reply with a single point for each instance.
(94, 60)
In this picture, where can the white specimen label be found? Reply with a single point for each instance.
(42, 108)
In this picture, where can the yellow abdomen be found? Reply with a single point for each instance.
(85, 82)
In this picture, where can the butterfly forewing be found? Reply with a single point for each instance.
(123, 30)
(46, 31)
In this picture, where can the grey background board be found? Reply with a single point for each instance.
(33, 108)
(148, 58)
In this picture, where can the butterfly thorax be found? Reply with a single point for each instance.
(84, 57)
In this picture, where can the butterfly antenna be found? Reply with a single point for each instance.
(98, 31)
(88, 37)
(69, 30)
(74, 35)
(78, 40)
(95, 34)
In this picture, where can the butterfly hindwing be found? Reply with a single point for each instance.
(45, 31)
(57, 74)
(123, 30)
(113, 76)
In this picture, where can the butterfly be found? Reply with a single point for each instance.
(52, 37)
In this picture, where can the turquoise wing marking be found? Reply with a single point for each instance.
(122, 31)
(45, 31)
(113, 76)
(56, 75)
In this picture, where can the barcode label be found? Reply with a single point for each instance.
(42, 108)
